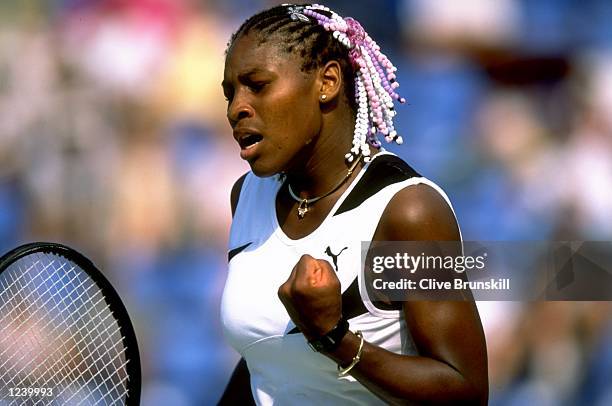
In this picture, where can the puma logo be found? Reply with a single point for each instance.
(333, 256)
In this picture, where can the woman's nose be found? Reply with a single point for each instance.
(238, 110)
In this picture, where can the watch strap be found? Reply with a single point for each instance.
(330, 341)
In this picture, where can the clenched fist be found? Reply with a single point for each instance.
(312, 296)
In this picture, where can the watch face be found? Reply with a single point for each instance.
(330, 340)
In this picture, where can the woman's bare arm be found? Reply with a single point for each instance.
(451, 367)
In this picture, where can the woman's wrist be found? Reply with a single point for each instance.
(347, 349)
(345, 370)
(331, 339)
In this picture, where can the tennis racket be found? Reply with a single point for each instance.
(65, 336)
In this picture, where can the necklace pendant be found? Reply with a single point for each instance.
(302, 208)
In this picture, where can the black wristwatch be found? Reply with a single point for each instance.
(331, 340)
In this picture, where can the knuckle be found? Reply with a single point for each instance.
(305, 260)
(325, 264)
(283, 291)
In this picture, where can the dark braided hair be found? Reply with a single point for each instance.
(319, 35)
(309, 40)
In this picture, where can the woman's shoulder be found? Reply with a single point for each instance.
(235, 193)
(255, 187)
(417, 209)
(419, 212)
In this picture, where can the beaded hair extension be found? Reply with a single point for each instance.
(305, 29)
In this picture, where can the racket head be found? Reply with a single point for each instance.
(32, 269)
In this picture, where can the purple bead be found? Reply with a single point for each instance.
(375, 143)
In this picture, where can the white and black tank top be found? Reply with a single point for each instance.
(283, 368)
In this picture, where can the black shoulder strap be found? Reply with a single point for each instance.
(385, 170)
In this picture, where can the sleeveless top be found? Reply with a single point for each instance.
(283, 368)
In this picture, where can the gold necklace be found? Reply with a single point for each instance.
(303, 206)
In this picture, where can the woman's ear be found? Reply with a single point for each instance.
(330, 77)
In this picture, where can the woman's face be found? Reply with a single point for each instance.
(273, 106)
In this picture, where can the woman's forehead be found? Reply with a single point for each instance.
(249, 53)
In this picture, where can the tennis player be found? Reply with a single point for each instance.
(308, 94)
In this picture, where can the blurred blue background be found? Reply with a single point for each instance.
(113, 140)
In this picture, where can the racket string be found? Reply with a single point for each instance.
(108, 363)
(71, 348)
(32, 304)
(59, 359)
(97, 355)
(18, 291)
(32, 326)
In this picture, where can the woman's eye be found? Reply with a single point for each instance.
(257, 87)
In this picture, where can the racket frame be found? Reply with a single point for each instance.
(113, 301)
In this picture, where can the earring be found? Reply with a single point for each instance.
(323, 97)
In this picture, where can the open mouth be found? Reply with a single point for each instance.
(249, 140)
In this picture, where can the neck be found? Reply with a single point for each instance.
(326, 165)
